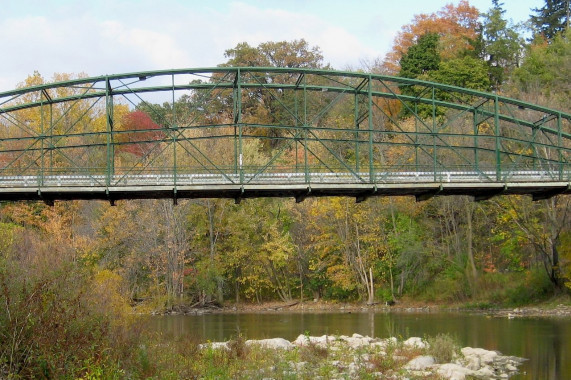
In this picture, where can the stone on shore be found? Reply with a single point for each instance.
(477, 357)
(274, 343)
(214, 345)
(420, 363)
(320, 341)
(454, 371)
(415, 342)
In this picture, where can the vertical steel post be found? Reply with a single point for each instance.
(305, 127)
(238, 119)
(356, 133)
(434, 160)
(110, 142)
(370, 116)
(42, 138)
(235, 119)
(498, 142)
(416, 137)
(476, 131)
(560, 145)
(174, 132)
(296, 110)
(51, 146)
(533, 148)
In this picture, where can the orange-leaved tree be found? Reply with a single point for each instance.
(455, 25)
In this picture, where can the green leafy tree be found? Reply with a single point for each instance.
(547, 69)
(465, 72)
(421, 58)
(418, 62)
(294, 54)
(271, 107)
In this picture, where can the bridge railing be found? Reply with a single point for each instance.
(316, 126)
(252, 176)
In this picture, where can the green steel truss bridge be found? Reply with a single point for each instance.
(274, 132)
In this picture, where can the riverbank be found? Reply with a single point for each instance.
(559, 307)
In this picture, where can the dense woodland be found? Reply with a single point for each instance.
(85, 262)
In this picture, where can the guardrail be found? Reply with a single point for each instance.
(162, 179)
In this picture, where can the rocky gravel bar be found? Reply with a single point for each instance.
(357, 356)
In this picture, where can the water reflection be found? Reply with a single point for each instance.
(546, 342)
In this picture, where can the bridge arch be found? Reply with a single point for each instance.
(241, 132)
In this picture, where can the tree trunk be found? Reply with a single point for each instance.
(469, 239)
(212, 237)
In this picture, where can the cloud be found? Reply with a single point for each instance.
(133, 44)
(135, 36)
(257, 25)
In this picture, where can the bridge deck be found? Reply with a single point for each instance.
(423, 185)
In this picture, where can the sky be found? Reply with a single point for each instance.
(99, 37)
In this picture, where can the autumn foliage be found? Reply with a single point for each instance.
(455, 25)
(68, 272)
(141, 133)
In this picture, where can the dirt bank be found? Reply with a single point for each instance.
(545, 310)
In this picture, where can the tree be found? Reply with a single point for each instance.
(138, 134)
(423, 61)
(270, 107)
(544, 224)
(501, 44)
(421, 58)
(547, 69)
(465, 72)
(551, 19)
(455, 25)
(294, 54)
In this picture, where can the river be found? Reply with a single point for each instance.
(545, 342)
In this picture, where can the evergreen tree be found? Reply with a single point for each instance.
(421, 57)
(552, 18)
(501, 44)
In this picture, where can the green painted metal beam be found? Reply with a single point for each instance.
(305, 111)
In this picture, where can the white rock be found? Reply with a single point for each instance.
(321, 341)
(485, 356)
(414, 342)
(420, 363)
(485, 373)
(454, 371)
(356, 342)
(298, 366)
(385, 342)
(353, 368)
(275, 343)
(214, 345)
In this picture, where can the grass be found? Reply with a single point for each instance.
(443, 347)
(182, 358)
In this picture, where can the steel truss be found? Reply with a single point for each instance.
(241, 132)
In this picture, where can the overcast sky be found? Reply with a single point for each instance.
(100, 37)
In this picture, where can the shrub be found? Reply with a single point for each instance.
(535, 286)
(52, 322)
(449, 286)
(443, 348)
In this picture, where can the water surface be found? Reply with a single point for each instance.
(545, 342)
